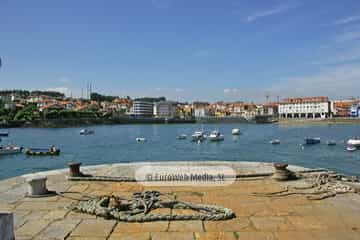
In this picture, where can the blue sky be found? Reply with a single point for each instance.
(184, 50)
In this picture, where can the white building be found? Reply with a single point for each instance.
(201, 109)
(165, 109)
(143, 109)
(309, 107)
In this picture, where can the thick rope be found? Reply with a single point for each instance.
(320, 186)
(139, 207)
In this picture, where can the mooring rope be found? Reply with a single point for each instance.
(320, 186)
(138, 208)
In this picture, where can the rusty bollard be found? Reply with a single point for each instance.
(281, 172)
(74, 169)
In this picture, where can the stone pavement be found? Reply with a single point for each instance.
(291, 217)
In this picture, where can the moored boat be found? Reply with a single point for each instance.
(181, 137)
(354, 142)
(10, 150)
(4, 134)
(86, 132)
(275, 142)
(198, 136)
(235, 131)
(140, 139)
(42, 152)
(215, 136)
(331, 143)
(312, 141)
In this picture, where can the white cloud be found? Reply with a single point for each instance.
(179, 90)
(64, 79)
(335, 82)
(158, 89)
(346, 20)
(342, 56)
(231, 90)
(348, 36)
(269, 12)
(64, 90)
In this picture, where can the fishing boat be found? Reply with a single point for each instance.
(198, 135)
(181, 137)
(331, 143)
(215, 136)
(42, 152)
(4, 134)
(86, 132)
(351, 148)
(275, 142)
(235, 131)
(10, 150)
(354, 142)
(140, 139)
(312, 141)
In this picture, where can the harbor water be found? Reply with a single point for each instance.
(117, 144)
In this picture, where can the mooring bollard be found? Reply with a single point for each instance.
(37, 187)
(7, 226)
(281, 172)
(74, 169)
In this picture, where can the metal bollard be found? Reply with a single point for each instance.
(74, 169)
(37, 187)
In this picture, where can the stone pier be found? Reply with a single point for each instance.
(292, 217)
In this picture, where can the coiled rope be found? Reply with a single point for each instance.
(320, 186)
(139, 208)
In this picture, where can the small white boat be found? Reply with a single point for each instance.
(235, 131)
(181, 137)
(198, 135)
(86, 132)
(140, 139)
(10, 150)
(215, 136)
(275, 141)
(354, 142)
(351, 148)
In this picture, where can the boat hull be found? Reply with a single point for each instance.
(197, 138)
(34, 152)
(312, 141)
(235, 132)
(10, 151)
(354, 142)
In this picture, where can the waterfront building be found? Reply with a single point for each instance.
(142, 109)
(307, 107)
(271, 109)
(202, 109)
(355, 110)
(242, 109)
(184, 110)
(165, 109)
(342, 108)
